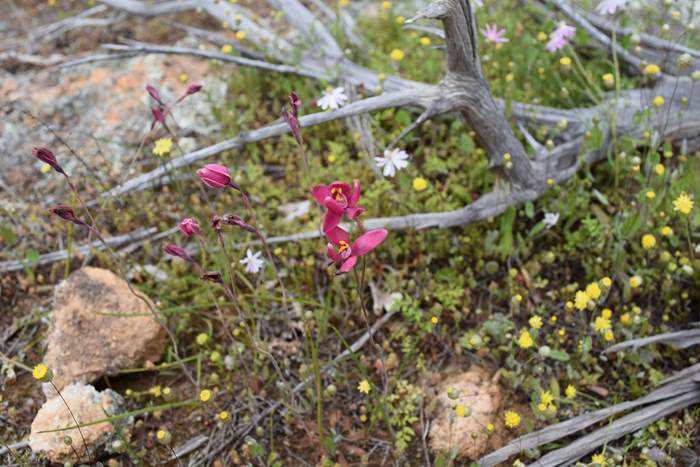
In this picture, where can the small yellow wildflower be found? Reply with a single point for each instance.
(683, 204)
(650, 194)
(202, 338)
(511, 418)
(460, 410)
(344, 2)
(658, 101)
(525, 340)
(364, 387)
(227, 49)
(565, 61)
(42, 373)
(550, 182)
(434, 320)
(569, 306)
(205, 395)
(400, 19)
(570, 391)
(606, 281)
(156, 391)
(425, 40)
(162, 146)
(609, 79)
(420, 184)
(652, 70)
(609, 336)
(363, 418)
(593, 291)
(386, 5)
(581, 300)
(510, 77)
(542, 407)
(601, 324)
(240, 35)
(666, 231)
(535, 322)
(546, 398)
(542, 36)
(635, 281)
(648, 241)
(490, 427)
(163, 436)
(659, 169)
(625, 319)
(224, 415)
(598, 459)
(45, 168)
(397, 55)
(606, 313)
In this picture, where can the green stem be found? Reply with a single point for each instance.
(87, 451)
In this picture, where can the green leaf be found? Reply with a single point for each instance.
(559, 355)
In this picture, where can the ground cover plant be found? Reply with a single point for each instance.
(419, 233)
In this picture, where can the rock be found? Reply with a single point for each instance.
(468, 434)
(87, 405)
(84, 343)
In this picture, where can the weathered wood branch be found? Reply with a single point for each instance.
(678, 340)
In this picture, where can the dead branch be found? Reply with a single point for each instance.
(136, 7)
(678, 340)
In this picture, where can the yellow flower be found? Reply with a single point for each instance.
(420, 184)
(609, 79)
(542, 407)
(550, 182)
(666, 231)
(542, 36)
(569, 306)
(581, 300)
(609, 336)
(652, 70)
(650, 194)
(425, 40)
(45, 168)
(397, 55)
(546, 398)
(332, 158)
(509, 77)
(565, 61)
(525, 340)
(535, 322)
(601, 324)
(156, 391)
(683, 204)
(593, 291)
(163, 436)
(598, 459)
(163, 146)
(344, 2)
(460, 410)
(490, 427)
(570, 391)
(42, 373)
(434, 320)
(202, 338)
(224, 415)
(659, 169)
(240, 35)
(635, 281)
(658, 101)
(364, 387)
(625, 319)
(205, 395)
(227, 49)
(400, 19)
(648, 241)
(606, 313)
(386, 5)
(607, 282)
(512, 419)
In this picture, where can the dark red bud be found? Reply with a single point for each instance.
(212, 276)
(153, 92)
(234, 219)
(193, 89)
(295, 102)
(158, 115)
(178, 251)
(294, 125)
(216, 223)
(46, 155)
(66, 212)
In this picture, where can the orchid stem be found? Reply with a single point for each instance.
(87, 451)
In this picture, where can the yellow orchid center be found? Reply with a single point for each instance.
(343, 246)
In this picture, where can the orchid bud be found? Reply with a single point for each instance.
(193, 89)
(233, 219)
(158, 116)
(216, 223)
(212, 276)
(189, 227)
(153, 92)
(215, 175)
(178, 251)
(65, 212)
(294, 125)
(47, 156)
(295, 102)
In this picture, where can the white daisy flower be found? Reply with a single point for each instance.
(252, 261)
(333, 99)
(551, 219)
(393, 161)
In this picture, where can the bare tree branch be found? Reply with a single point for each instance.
(678, 340)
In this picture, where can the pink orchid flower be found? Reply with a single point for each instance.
(189, 227)
(338, 198)
(495, 35)
(342, 253)
(215, 175)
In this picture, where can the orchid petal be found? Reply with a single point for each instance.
(320, 192)
(333, 205)
(348, 264)
(344, 188)
(355, 195)
(332, 253)
(368, 242)
(354, 213)
(336, 235)
(331, 221)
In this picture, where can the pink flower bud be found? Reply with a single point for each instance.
(46, 155)
(233, 219)
(158, 116)
(178, 251)
(193, 89)
(294, 125)
(295, 102)
(153, 92)
(189, 227)
(215, 175)
(66, 212)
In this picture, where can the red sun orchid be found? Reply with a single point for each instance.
(342, 253)
(338, 198)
